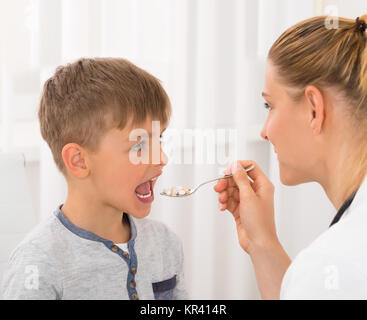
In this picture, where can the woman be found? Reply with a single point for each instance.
(316, 93)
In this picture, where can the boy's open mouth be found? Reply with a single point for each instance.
(144, 192)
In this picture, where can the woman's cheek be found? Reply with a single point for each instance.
(270, 131)
(275, 128)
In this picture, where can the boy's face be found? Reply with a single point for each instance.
(116, 180)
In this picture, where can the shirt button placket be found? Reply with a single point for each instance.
(132, 271)
(134, 296)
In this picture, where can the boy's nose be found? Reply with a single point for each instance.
(164, 158)
(161, 161)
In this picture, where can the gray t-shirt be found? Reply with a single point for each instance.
(59, 260)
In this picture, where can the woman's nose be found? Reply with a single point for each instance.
(263, 133)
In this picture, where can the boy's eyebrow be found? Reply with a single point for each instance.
(264, 94)
(150, 134)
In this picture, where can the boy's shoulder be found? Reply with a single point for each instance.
(35, 255)
(41, 238)
(51, 238)
(151, 230)
(150, 223)
(159, 249)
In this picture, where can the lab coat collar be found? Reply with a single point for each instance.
(360, 198)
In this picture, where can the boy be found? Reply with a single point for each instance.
(95, 245)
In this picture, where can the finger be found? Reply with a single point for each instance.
(235, 194)
(231, 206)
(231, 182)
(241, 179)
(223, 197)
(227, 202)
(221, 185)
(260, 180)
(227, 194)
(222, 206)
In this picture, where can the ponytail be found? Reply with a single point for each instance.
(363, 72)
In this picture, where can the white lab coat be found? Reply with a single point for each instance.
(334, 266)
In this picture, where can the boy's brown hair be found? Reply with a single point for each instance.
(84, 99)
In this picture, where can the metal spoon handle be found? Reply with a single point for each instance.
(195, 189)
(224, 177)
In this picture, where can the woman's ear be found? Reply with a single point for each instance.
(316, 105)
(73, 157)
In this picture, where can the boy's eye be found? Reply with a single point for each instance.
(138, 146)
(164, 139)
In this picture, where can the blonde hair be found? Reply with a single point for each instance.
(310, 53)
(84, 99)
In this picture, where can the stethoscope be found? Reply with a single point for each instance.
(343, 208)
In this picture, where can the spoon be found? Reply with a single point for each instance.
(180, 192)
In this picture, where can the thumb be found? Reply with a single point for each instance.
(240, 177)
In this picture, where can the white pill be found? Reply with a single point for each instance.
(167, 192)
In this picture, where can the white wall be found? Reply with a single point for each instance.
(210, 56)
(17, 213)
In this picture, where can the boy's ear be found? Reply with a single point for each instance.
(73, 157)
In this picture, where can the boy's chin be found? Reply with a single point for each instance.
(136, 210)
(140, 213)
(140, 210)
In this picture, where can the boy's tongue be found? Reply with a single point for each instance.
(143, 188)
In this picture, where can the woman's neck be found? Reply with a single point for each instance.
(343, 175)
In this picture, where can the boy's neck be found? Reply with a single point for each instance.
(104, 221)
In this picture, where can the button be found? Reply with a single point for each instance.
(132, 284)
(115, 248)
(125, 254)
(134, 296)
(133, 270)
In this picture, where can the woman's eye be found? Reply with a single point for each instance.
(267, 106)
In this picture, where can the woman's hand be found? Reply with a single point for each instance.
(251, 203)
(252, 206)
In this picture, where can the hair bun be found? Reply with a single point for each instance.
(361, 24)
